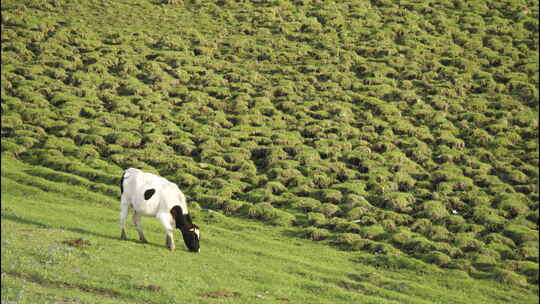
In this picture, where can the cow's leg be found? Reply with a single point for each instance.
(124, 207)
(166, 220)
(137, 222)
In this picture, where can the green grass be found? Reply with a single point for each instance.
(405, 128)
(240, 260)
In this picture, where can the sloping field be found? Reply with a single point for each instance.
(60, 244)
(404, 135)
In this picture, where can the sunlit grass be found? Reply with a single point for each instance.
(406, 129)
(58, 247)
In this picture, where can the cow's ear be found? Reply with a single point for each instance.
(178, 216)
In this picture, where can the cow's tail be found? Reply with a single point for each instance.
(122, 182)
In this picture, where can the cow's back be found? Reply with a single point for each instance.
(143, 191)
(166, 194)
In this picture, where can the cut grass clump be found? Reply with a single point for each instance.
(125, 139)
(232, 206)
(528, 269)
(341, 225)
(185, 180)
(402, 236)
(434, 210)
(374, 232)
(488, 217)
(9, 146)
(504, 251)
(316, 219)
(455, 222)
(509, 277)
(419, 245)
(211, 201)
(358, 212)
(275, 188)
(351, 187)
(478, 198)
(513, 208)
(351, 201)
(449, 250)
(306, 204)
(316, 234)
(438, 258)
(520, 234)
(529, 253)
(484, 262)
(330, 196)
(259, 195)
(351, 241)
(398, 201)
(328, 209)
(467, 242)
(266, 212)
(422, 226)
(397, 262)
(439, 234)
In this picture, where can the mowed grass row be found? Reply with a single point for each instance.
(57, 248)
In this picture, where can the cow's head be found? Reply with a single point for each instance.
(191, 236)
(190, 231)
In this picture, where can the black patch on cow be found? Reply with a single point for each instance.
(188, 219)
(122, 183)
(179, 217)
(148, 193)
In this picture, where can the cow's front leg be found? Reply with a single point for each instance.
(137, 222)
(170, 241)
(166, 221)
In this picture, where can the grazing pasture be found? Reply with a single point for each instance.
(60, 244)
(401, 137)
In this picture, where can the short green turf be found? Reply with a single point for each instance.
(241, 261)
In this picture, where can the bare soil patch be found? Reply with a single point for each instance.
(77, 243)
(220, 294)
(154, 288)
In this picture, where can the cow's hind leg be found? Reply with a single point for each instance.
(123, 216)
(166, 222)
(137, 222)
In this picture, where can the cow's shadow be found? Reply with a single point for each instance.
(15, 218)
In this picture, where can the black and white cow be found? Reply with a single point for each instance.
(152, 195)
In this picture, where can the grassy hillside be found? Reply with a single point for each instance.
(60, 245)
(406, 134)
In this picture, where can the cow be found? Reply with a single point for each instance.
(151, 195)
